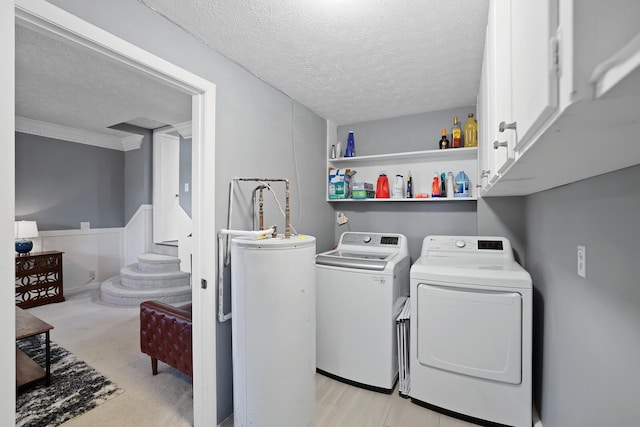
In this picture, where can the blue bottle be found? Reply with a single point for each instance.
(351, 146)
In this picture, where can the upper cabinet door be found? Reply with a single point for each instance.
(482, 109)
(503, 142)
(534, 65)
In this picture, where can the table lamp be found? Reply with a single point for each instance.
(24, 231)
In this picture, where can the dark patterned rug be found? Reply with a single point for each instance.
(75, 388)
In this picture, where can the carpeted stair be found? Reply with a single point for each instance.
(153, 277)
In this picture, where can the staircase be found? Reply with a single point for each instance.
(153, 277)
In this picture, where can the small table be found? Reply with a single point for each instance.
(28, 371)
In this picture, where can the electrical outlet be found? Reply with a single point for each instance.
(582, 261)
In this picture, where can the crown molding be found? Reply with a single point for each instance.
(65, 133)
(132, 142)
(184, 129)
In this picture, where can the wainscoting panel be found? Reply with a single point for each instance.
(91, 255)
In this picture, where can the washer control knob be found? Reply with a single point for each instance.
(366, 239)
(460, 243)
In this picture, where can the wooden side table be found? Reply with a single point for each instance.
(39, 278)
(28, 371)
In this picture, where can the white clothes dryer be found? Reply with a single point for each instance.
(471, 330)
(360, 290)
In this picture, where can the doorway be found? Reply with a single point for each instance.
(49, 19)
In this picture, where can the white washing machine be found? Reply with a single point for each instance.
(470, 336)
(360, 288)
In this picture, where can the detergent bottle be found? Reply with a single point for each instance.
(462, 185)
(382, 186)
(398, 187)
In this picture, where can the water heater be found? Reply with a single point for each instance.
(274, 331)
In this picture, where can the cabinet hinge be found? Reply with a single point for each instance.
(555, 55)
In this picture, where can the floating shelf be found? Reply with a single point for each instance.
(410, 157)
(414, 200)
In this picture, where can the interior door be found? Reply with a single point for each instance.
(166, 169)
(471, 332)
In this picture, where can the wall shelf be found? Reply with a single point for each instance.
(414, 200)
(409, 157)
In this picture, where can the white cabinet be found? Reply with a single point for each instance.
(575, 92)
(534, 55)
(503, 140)
(498, 145)
(423, 165)
(484, 168)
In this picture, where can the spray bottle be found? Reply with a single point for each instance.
(450, 186)
(435, 186)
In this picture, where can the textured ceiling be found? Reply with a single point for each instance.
(348, 60)
(67, 85)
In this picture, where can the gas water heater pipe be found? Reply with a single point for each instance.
(287, 208)
(222, 317)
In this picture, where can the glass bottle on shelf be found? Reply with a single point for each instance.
(444, 142)
(456, 134)
(471, 132)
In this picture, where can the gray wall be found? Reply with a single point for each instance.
(587, 344)
(415, 132)
(505, 217)
(185, 174)
(138, 171)
(60, 183)
(258, 131)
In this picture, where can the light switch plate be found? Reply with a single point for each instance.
(582, 261)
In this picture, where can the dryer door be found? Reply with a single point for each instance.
(470, 331)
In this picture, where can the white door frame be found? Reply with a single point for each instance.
(55, 21)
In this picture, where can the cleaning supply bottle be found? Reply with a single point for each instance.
(398, 187)
(450, 186)
(409, 186)
(443, 185)
(462, 185)
(435, 186)
(471, 132)
(382, 186)
(351, 146)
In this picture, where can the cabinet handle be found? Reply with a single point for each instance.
(485, 173)
(497, 144)
(502, 126)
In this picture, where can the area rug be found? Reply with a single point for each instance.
(75, 388)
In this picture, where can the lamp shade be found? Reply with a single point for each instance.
(26, 229)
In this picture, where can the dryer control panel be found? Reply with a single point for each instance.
(467, 246)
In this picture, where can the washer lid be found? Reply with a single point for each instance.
(355, 260)
(474, 270)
